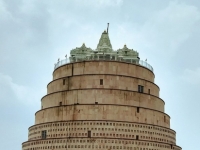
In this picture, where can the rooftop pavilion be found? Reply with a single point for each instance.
(104, 52)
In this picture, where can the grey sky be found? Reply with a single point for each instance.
(35, 33)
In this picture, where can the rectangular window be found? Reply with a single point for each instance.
(63, 81)
(89, 134)
(44, 134)
(138, 109)
(149, 91)
(164, 118)
(101, 81)
(60, 103)
(140, 88)
(137, 137)
(96, 102)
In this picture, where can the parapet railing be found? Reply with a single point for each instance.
(133, 61)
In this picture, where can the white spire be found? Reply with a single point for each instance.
(104, 43)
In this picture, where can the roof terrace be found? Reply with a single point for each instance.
(104, 52)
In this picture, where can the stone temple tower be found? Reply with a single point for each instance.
(102, 99)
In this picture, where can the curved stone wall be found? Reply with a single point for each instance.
(109, 129)
(101, 105)
(109, 82)
(103, 67)
(97, 143)
(102, 112)
(108, 96)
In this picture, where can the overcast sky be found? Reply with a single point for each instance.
(35, 33)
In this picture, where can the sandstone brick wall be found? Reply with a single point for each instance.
(97, 105)
(108, 96)
(104, 67)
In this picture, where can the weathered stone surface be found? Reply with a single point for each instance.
(102, 104)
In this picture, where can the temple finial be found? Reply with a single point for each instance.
(107, 28)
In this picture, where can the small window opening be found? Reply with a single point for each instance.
(60, 103)
(140, 88)
(137, 137)
(89, 134)
(101, 81)
(164, 118)
(96, 102)
(149, 91)
(44, 134)
(63, 81)
(138, 109)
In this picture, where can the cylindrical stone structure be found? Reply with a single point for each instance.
(101, 104)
